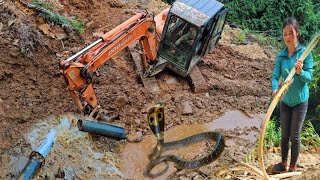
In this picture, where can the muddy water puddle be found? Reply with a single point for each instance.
(135, 155)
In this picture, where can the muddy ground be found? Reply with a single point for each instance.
(32, 89)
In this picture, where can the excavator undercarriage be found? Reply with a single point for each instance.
(195, 79)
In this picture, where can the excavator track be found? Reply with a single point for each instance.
(196, 80)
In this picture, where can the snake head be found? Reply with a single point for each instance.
(155, 118)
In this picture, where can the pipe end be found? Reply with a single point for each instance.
(79, 124)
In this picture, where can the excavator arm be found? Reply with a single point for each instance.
(176, 39)
(77, 70)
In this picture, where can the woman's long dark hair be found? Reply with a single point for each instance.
(290, 21)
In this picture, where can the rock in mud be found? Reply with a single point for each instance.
(187, 108)
(91, 24)
(199, 105)
(98, 34)
(135, 137)
(18, 163)
(205, 170)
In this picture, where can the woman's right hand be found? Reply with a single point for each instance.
(274, 93)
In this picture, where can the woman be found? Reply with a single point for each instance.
(294, 104)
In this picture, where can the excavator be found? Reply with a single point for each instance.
(176, 39)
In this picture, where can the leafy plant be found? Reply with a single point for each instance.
(314, 85)
(272, 136)
(47, 11)
(240, 37)
(309, 137)
(251, 156)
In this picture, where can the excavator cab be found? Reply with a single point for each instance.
(192, 29)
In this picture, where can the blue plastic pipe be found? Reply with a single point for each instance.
(47, 143)
(37, 157)
(102, 129)
(35, 162)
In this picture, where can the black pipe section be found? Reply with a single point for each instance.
(35, 162)
(102, 129)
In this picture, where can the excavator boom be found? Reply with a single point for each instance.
(78, 69)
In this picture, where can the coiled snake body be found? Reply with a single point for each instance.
(156, 123)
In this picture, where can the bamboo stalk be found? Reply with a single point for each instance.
(308, 49)
(286, 175)
(253, 169)
(275, 101)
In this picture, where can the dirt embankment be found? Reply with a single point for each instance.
(31, 87)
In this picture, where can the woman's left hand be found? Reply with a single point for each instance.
(298, 66)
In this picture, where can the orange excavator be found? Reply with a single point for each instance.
(176, 38)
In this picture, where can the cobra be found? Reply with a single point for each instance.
(156, 122)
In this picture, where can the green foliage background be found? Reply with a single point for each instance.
(267, 16)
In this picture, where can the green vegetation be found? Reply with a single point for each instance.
(48, 12)
(309, 137)
(272, 136)
(251, 156)
(314, 100)
(268, 15)
(241, 37)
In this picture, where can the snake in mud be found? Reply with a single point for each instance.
(156, 123)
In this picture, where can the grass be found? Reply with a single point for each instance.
(251, 157)
(309, 136)
(48, 12)
(272, 135)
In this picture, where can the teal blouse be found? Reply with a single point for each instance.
(298, 92)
